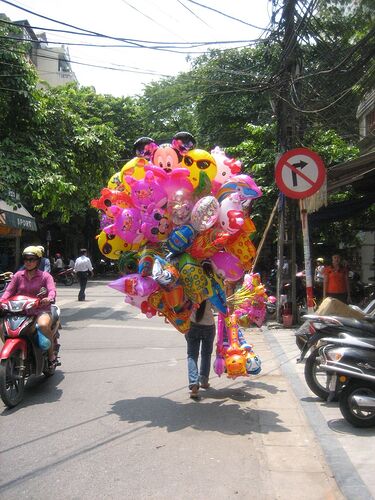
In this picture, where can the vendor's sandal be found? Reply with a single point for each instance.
(205, 386)
(194, 392)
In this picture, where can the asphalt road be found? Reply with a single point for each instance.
(116, 421)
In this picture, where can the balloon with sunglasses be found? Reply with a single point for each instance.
(200, 164)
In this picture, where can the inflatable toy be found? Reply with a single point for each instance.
(241, 246)
(145, 192)
(193, 278)
(135, 167)
(166, 157)
(243, 185)
(111, 197)
(180, 205)
(180, 239)
(205, 213)
(171, 182)
(115, 182)
(208, 243)
(128, 263)
(113, 246)
(180, 319)
(226, 167)
(144, 147)
(156, 224)
(183, 142)
(200, 164)
(134, 284)
(231, 216)
(227, 266)
(127, 224)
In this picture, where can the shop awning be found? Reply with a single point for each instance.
(352, 172)
(19, 218)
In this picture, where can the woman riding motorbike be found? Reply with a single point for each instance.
(32, 282)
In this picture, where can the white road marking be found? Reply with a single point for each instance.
(130, 327)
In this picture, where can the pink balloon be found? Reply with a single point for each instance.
(172, 180)
(135, 285)
(126, 225)
(156, 224)
(146, 191)
(227, 266)
(226, 167)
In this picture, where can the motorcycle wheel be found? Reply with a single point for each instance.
(68, 280)
(12, 381)
(359, 417)
(315, 377)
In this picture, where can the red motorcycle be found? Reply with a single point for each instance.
(24, 352)
(65, 276)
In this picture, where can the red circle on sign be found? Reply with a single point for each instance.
(283, 163)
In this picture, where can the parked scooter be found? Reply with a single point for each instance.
(320, 328)
(24, 352)
(5, 279)
(66, 276)
(350, 362)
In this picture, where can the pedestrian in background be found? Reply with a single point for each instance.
(319, 278)
(83, 268)
(336, 280)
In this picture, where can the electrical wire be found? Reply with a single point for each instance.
(227, 15)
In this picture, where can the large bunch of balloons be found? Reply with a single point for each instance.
(177, 219)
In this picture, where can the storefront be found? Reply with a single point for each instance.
(12, 224)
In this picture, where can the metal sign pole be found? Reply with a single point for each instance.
(307, 257)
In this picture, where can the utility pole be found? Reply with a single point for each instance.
(286, 129)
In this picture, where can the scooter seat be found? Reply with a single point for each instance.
(363, 325)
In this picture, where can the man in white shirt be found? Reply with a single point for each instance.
(83, 267)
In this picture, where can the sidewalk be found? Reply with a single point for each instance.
(350, 452)
(295, 464)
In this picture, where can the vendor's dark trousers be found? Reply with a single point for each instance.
(82, 279)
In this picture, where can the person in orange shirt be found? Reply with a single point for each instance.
(336, 281)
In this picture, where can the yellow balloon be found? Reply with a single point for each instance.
(197, 161)
(135, 168)
(115, 182)
(113, 246)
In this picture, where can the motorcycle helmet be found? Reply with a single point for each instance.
(320, 259)
(32, 251)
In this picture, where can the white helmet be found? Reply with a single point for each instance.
(32, 250)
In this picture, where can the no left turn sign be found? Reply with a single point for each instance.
(300, 173)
